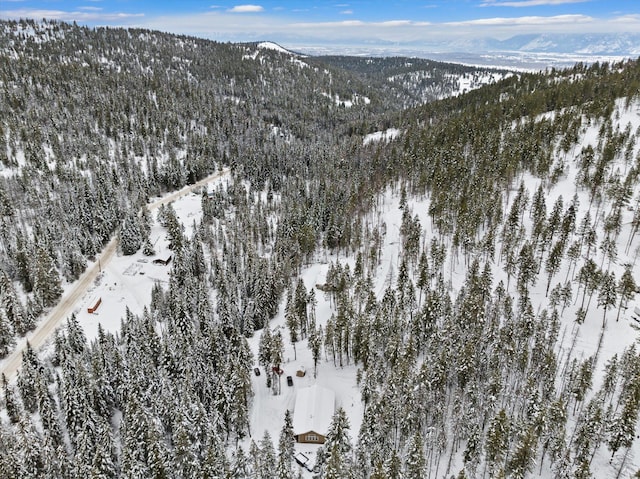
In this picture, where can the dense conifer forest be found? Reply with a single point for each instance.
(518, 206)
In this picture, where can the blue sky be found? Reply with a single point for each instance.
(376, 22)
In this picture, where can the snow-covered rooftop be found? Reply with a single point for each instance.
(313, 410)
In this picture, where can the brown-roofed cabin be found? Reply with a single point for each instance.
(312, 414)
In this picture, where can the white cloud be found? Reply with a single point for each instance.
(324, 25)
(246, 9)
(91, 16)
(530, 20)
(633, 18)
(396, 23)
(90, 9)
(347, 12)
(527, 3)
(225, 25)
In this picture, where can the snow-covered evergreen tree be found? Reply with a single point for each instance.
(286, 445)
(130, 234)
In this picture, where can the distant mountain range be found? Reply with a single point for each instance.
(530, 51)
(624, 44)
(614, 44)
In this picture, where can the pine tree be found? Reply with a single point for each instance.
(555, 218)
(539, 214)
(28, 378)
(589, 277)
(23, 255)
(300, 307)
(607, 296)
(103, 465)
(292, 321)
(8, 454)
(286, 446)
(337, 449)
(145, 222)
(46, 279)
(415, 463)
(175, 229)
(215, 464)
(264, 353)
(136, 449)
(626, 289)
(277, 353)
(76, 339)
(552, 265)
(240, 464)
(130, 236)
(159, 464)
(7, 340)
(11, 404)
(267, 460)
(622, 427)
(393, 466)
(588, 433)
(527, 268)
(147, 248)
(17, 317)
(335, 467)
(49, 414)
(32, 463)
(522, 459)
(497, 440)
(185, 462)
(553, 434)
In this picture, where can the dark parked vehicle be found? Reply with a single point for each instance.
(256, 371)
(289, 381)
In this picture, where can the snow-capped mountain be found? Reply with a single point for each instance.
(624, 44)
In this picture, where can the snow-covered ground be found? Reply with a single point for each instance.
(575, 341)
(468, 81)
(126, 282)
(348, 102)
(387, 135)
(273, 46)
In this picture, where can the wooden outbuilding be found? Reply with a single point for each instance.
(94, 304)
(161, 261)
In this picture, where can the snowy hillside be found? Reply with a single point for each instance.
(231, 223)
(459, 84)
(416, 80)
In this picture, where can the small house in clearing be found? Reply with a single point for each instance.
(312, 414)
(161, 261)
